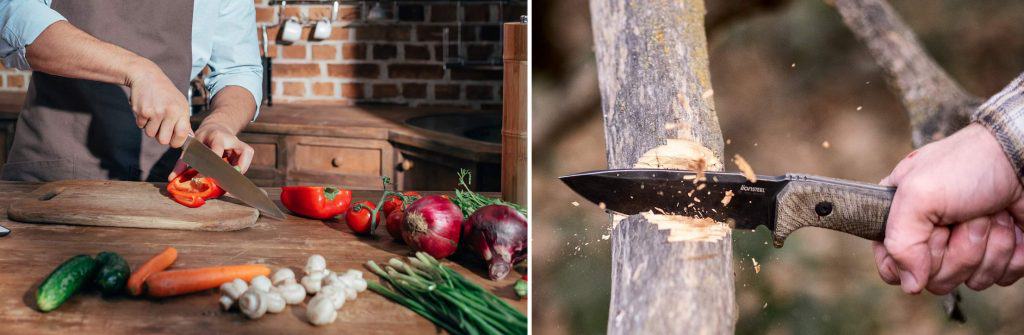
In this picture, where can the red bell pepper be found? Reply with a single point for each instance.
(316, 202)
(192, 190)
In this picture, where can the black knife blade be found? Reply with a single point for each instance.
(780, 203)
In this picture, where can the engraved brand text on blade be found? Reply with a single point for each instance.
(755, 189)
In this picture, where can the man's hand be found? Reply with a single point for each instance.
(223, 142)
(160, 109)
(955, 217)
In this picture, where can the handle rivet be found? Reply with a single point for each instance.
(823, 208)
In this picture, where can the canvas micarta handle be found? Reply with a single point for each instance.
(854, 208)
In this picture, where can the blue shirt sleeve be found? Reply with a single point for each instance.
(235, 59)
(21, 21)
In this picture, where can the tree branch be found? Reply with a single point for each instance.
(937, 105)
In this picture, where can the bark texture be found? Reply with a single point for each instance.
(653, 72)
(936, 104)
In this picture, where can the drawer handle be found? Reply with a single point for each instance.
(336, 162)
(405, 165)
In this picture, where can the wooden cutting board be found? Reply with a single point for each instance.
(126, 204)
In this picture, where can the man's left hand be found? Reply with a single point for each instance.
(224, 143)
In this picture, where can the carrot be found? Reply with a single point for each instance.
(158, 263)
(177, 282)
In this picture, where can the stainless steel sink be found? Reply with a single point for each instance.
(480, 127)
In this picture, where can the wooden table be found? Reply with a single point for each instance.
(31, 251)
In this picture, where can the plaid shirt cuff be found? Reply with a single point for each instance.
(1003, 114)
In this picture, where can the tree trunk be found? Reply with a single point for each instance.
(655, 86)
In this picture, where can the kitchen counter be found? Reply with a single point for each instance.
(383, 122)
(31, 251)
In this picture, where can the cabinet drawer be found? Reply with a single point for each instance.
(338, 158)
(353, 163)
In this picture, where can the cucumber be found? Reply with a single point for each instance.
(112, 274)
(64, 281)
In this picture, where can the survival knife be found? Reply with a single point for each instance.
(783, 204)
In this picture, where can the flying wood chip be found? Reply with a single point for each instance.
(745, 168)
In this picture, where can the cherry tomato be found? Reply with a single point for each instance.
(358, 217)
(394, 224)
(394, 202)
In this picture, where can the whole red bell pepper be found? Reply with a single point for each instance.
(316, 202)
(192, 190)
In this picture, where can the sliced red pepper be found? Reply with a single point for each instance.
(192, 190)
(316, 202)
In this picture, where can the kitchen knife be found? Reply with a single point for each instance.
(783, 204)
(201, 158)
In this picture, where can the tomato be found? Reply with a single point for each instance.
(316, 202)
(395, 202)
(394, 224)
(358, 217)
(191, 189)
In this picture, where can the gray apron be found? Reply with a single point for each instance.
(82, 129)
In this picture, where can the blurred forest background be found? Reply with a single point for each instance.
(787, 76)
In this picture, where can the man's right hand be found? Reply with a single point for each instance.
(160, 108)
(955, 218)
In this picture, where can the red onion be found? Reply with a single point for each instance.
(432, 225)
(498, 234)
(394, 223)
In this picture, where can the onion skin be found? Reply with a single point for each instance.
(432, 224)
(498, 234)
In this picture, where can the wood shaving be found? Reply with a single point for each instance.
(745, 168)
(757, 266)
(679, 154)
(701, 186)
(601, 205)
(727, 198)
(576, 203)
(860, 107)
(826, 145)
(685, 228)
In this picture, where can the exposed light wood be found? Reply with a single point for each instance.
(513, 132)
(32, 251)
(125, 204)
(655, 85)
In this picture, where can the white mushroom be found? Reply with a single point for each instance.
(332, 279)
(320, 311)
(261, 283)
(234, 289)
(283, 276)
(316, 263)
(335, 293)
(230, 292)
(354, 273)
(350, 293)
(253, 304)
(226, 302)
(313, 281)
(292, 293)
(274, 301)
(357, 283)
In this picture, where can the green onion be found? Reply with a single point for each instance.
(444, 297)
(470, 201)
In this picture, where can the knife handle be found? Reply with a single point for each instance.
(854, 208)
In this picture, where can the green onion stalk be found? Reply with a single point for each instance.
(444, 297)
(470, 201)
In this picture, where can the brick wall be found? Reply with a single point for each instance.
(397, 61)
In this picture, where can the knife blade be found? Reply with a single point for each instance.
(4, 231)
(780, 203)
(201, 158)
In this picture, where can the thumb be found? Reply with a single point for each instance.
(907, 234)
